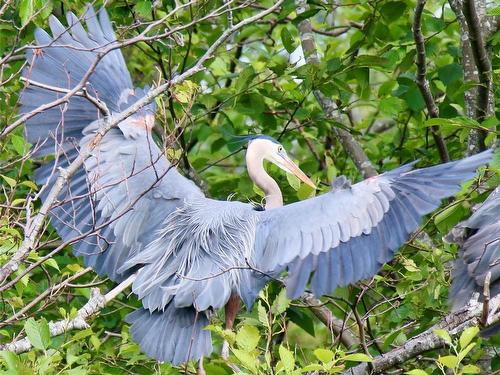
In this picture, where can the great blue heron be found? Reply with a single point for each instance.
(131, 211)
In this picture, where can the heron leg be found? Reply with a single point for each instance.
(231, 310)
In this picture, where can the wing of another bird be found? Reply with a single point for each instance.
(347, 234)
(479, 253)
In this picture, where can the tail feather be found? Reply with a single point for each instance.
(175, 335)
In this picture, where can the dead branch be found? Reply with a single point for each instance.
(455, 323)
(48, 292)
(422, 82)
(95, 304)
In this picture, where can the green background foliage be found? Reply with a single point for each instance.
(250, 86)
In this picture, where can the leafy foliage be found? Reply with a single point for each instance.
(257, 83)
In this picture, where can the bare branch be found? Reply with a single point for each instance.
(422, 82)
(455, 323)
(95, 304)
(42, 296)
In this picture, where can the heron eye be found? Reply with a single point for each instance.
(280, 149)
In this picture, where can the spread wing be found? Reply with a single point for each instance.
(479, 253)
(347, 234)
(61, 61)
(113, 206)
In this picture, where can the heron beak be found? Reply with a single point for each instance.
(288, 165)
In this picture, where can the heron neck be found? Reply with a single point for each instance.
(255, 167)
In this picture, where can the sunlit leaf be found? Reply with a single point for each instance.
(357, 357)
(449, 361)
(247, 337)
(38, 333)
(467, 336)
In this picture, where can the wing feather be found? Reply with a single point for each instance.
(347, 234)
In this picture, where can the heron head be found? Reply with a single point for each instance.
(270, 149)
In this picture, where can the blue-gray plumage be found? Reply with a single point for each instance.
(129, 210)
(479, 239)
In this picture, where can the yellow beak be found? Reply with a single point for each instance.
(288, 165)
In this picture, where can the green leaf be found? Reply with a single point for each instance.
(28, 9)
(287, 40)
(281, 303)
(467, 336)
(96, 343)
(246, 359)
(392, 10)
(311, 367)
(247, 337)
(414, 99)
(443, 334)
(450, 73)
(185, 91)
(11, 359)
(493, 12)
(302, 319)
(251, 104)
(370, 61)
(465, 351)
(244, 78)
(293, 181)
(449, 361)
(143, 8)
(303, 16)
(357, 357)
(471, 369)
(25, 11)
(263, 317)
(450, 216)
(51, 262)
(38, 333)
(287, 358)
(19, 144)
(12, 183)
(324, 355)
(416, 372)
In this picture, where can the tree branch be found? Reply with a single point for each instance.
(483, 65)
(422, 82)
(351, 146)
(95, 304)
(455, 323)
